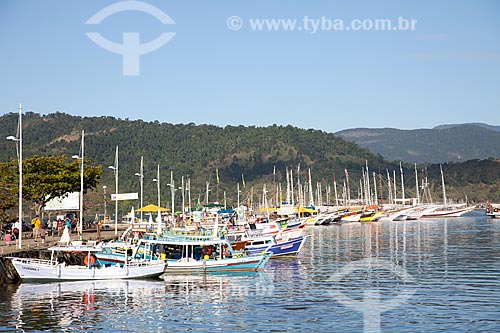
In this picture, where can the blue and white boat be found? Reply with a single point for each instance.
(270, 245)
(186, 253)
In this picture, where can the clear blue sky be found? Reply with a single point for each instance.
(446, 71)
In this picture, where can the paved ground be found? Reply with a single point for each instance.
(31, 244)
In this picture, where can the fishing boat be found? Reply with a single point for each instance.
(191, 252)
(186, 255)
(351, 217)
(455, 210)
(269, 244)
(54, 269)
(370, 216)
(493, 210)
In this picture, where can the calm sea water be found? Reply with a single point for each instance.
(419, 276)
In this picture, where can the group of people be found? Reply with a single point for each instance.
(41, 229)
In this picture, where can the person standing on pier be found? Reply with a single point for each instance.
(59, 227)
(36, 227)
(42, 234)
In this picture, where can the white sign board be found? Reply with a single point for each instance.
(197, 216)
(69, 202)
(124, 196)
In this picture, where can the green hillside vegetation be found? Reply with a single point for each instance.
(447, 143)
(196, 151)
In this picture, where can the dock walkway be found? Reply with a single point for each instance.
(31, 244)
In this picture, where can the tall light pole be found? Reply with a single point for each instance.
(105, 210)
(20, 140)
(80, 231)
(183, 196)
(189, 195)
(238, 192)
(157, 180)
(141, 175)
(115, 168)
(172, 191)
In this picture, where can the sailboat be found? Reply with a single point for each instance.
(447, 210)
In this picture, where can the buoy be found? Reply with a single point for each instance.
(89, 260)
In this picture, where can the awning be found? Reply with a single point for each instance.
(152, 209)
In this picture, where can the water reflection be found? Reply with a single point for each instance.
(453, 264)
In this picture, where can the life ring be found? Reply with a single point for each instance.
(89, 260)
(207, 250)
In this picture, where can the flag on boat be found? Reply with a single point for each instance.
(243, 180)
(217, 174)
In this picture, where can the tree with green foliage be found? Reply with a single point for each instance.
(49, 177)
(8, 197)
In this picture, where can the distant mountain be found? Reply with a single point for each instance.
(490, 127)
(446, 143)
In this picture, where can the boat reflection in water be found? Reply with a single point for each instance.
(61, 305)
(95, 305)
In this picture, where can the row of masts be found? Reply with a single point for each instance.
(369, 192)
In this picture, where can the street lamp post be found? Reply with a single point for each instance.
(189, 195)
(20, 140)
(80, 231)
(172, 191)
(157, 180)
(141, 175)
(115, 168)
(182, 188)
(238, 192)
(105, 210)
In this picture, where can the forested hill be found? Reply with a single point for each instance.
(189, 150)
(198, 150)
(441, 144)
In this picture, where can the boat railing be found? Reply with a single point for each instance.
(187, 236)
(144, 263)
(32, 261)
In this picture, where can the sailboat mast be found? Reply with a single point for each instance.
(394, 187)
(416, 185)
(444, 188)
(311, 195)
(402, 182)
(335, 189)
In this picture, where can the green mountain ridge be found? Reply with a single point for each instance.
(446, 143)
(189, 150)
(197, 151)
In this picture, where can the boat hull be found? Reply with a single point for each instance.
(291, 247)
(44, 270)
(243, 264)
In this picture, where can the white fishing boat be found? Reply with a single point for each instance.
(446, 209)
(351, 217)
(493, 210)
(32, 269)
(454, 210)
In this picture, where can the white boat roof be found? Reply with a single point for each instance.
(75, 248)
(187, 241)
